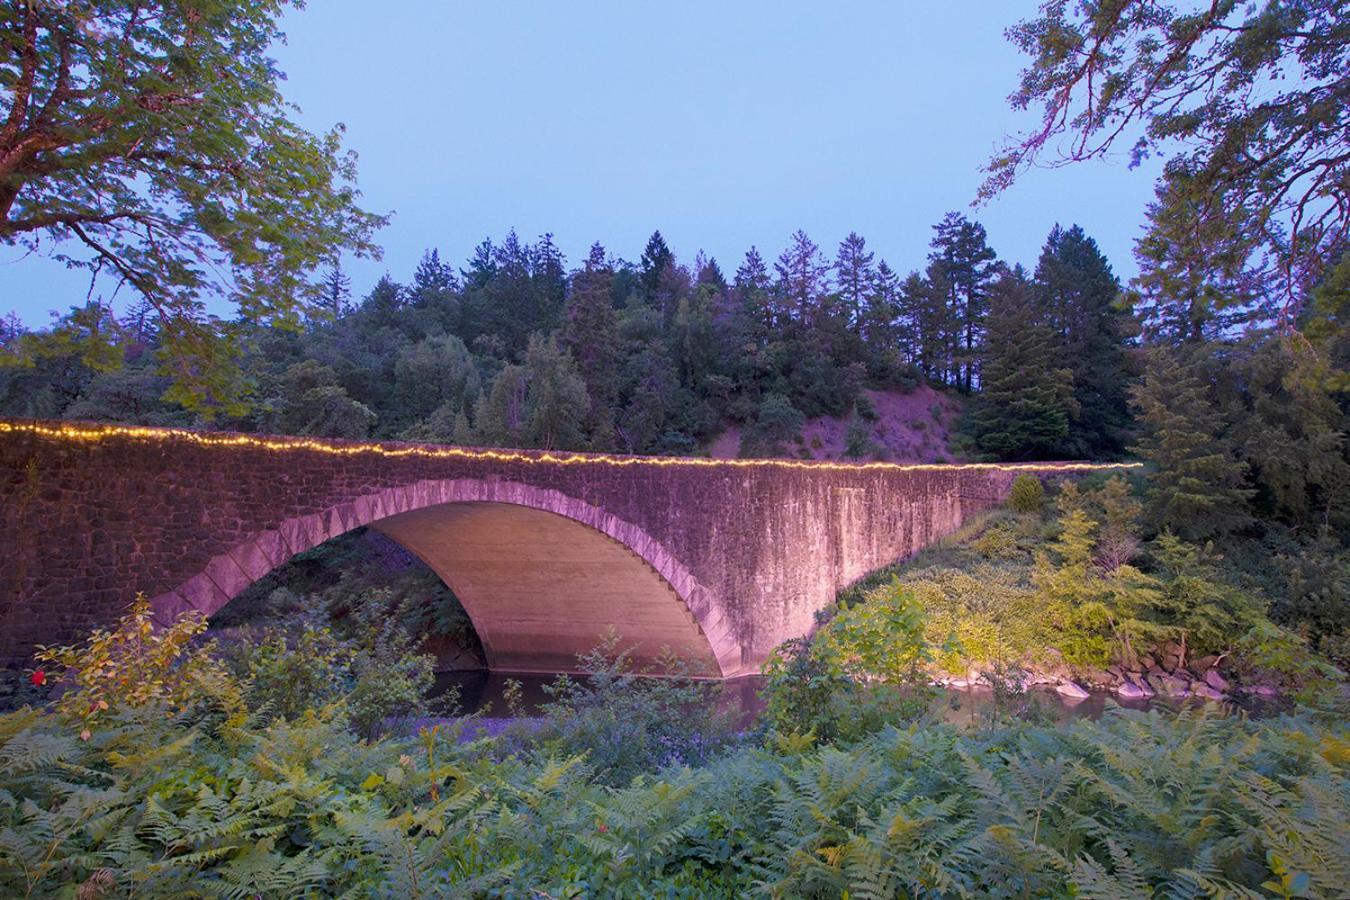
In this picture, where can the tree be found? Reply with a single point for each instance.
(1254, 96)
(856, 279)
(435, 289)
(337, 292)
(965, 261)
(590, 329)
(556, 400)
(310, 401)
(656, 259)
(802, 279)
(151, 143)
(1024, 406)
(1077, 294)
(752, 287)
(436, 372)
(1201, 487)
(499, 416)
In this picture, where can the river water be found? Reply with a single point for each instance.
(483, 691)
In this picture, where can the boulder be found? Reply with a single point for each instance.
(1200, 689)
(1216, 681)
(1128, 690)
(1071, 691)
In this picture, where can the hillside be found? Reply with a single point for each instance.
(909, 426)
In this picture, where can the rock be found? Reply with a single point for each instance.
(1200, 689)
(1172, 656)
(1174, 686)
(1147, 662)
(1071, 691)
(1202, 665)
(1216, 681)
(1128, 690)
(1263, 690)
(1115, 673)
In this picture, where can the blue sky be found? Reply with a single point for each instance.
(722, 124)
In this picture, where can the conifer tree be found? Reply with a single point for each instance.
(803, 279)
(1078, 293)
(1023, 409)
(752, 287)
(656, 258)
(1200, 489)
(965, 261)
(590, 330)
(337, 291)
(855, 277)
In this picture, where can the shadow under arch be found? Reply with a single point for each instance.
(541, 574)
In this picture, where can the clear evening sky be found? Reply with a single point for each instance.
(723, 124)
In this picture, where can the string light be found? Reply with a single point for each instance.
(423, 451)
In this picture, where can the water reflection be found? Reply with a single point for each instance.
(483, 691)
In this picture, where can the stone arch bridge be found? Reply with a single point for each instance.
(719, 560)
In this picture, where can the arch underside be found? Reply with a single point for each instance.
(543, 576)
(541, 588)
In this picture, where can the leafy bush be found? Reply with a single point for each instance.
(374, 679)
(857, 439)
(135, 664)
(629, 721)
(1028, 495)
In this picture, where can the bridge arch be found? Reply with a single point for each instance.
(540, 573)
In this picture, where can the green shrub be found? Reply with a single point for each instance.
(857, 440)
(629, 721)
(1028, 495)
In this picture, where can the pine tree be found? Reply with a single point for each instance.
(656, 258)
(752, 288)
(884, 327)
(965, 261)
(1024, 406)
(1195, 282)
(1200, 489)
(802, 279)
(856, 279)
(337, 291)
(590, 330)
(1079, 295)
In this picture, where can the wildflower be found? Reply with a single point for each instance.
(39, 678)
(601, 827)
(85, 735)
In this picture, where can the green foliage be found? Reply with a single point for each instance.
(1200, 487)
(1131, 805)
(1027, 496)
(181, 174)
(373, 679)
(776, 423)
(1023, 409)
(1236, 95)
(629, 721)
(135, 664)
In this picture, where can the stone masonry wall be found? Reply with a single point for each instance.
(91, 515)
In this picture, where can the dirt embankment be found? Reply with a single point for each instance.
(913, 426)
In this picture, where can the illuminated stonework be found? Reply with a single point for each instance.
(722, 558)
